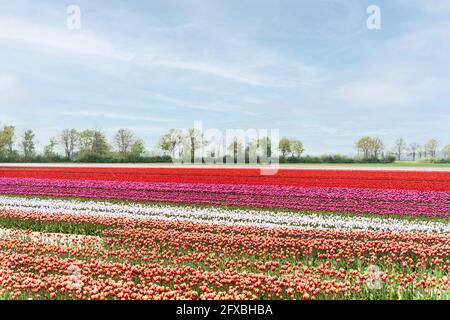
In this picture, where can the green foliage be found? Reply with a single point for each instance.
(171, 140)
(265, 145)
(7, 138)
(69, 139)
(235, 151)
(370, 148)
(337, 159)
(49, 149)
(447, 151)
(52, 226)
(137, 148)
(90, 157)
(297, 148)
(285, 146)
(28, 145)
(124, 139)
(93, 141)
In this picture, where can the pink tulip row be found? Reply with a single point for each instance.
(402, 202)
(323, 192)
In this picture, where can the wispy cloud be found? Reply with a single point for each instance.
(58, 40)
(112, 115)
(62, 41)
(190, 105)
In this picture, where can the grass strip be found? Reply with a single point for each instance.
(53, 226)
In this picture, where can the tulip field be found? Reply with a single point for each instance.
(223, 233)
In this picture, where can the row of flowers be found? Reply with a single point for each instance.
(399, 202)
(219, 215)
(415, 180)
(158, 259)
(57, 239)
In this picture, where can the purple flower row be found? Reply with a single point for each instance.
(403, 202)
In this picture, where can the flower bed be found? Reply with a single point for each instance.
(84, 233)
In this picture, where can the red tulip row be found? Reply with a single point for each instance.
(414, 180)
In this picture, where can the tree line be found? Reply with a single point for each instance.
(77, 146)
(182, 146)
(373, 148)
(92, 145)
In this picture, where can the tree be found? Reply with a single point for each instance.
(447, 151)
(124, 139)
(165, 145)
(170, 141)
(93, 142)
(69, 139)
(28, 145)
(413, 149)
(49, 149)
(236, 150)
(371, 147)
(7, 139)
(422, 151)
(431, 147)
(265, 146)
(297, 148)
(100, 145)
(251, 152)
(195, 138)
(400, 146)
(137, 148)
(85, 140)
(377, 147)
(364, 145)
(284, 146)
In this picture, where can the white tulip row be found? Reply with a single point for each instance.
(218, 215)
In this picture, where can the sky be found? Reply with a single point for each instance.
(311, 69)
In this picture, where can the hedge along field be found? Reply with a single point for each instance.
(223, 234)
